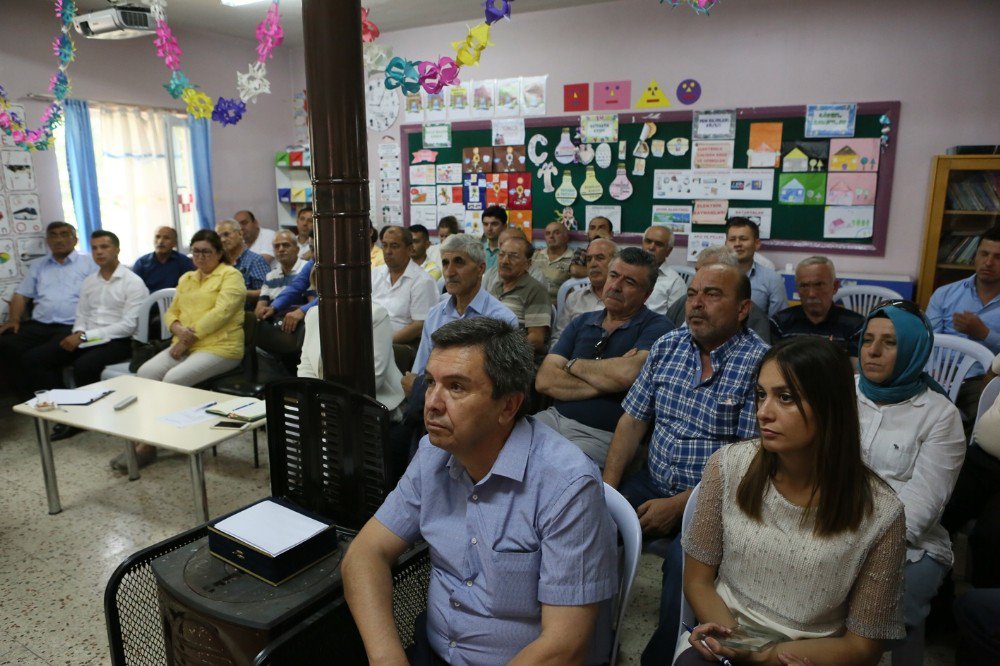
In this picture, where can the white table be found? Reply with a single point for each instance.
(139, 422)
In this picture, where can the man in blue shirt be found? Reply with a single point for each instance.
(600, 354)
(253, 266)
(164, 266)
(523, 549)
(767, 288)
(52, 285)
(696, 391)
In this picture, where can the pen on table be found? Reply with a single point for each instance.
(206, 406)
(719, 657)
(241, 407)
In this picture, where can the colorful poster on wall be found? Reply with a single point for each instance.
(576, 97)
(848, 221)
(473, 223)
(484, 94)
(423, 195)
(449, 194)
(760, 215)
(710, 212)
(672, 184)
(437, 135)
(675, 218)
(612, 95)
(478, 159)
(519, 191)
(508, 159)
(854, 155)
(18, 174)
(508, 101)
(757, 184)
(653, 97)
(474, 191)
(413, 108)
(712, 155)
(851, 189)
(425, 215)
(449, 173)
(533, 94)
(24, 213)
(8, 259)
(599, 128)
(803, 156)
(699, 240)
(422, 174)
(764, 150)
(496, 189)
(802, 189)
(829, 120)
(458, 101)
(719, 124)
(30, 248)
(508, 132)
(520, 219)
(435, 107)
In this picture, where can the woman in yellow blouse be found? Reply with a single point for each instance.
(206, 319)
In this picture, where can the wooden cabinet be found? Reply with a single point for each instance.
(964, 201)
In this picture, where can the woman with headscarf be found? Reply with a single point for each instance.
(911, 435)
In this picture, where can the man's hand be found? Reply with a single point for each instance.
(13, 326)
(291, 320)
(178, 351)
(970, 324)
(658, 516)
(407, 382)
(71, 342)
(792, 660)
(263, 311)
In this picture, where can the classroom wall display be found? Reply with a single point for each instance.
(21, 230)
(788, 182)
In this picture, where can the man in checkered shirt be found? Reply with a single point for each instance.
(696, 390)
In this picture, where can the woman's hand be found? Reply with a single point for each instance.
(701, 639)
(792, 660)
(178, 351)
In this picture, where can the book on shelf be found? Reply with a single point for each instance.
(977, 192)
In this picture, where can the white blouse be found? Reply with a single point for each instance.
(918, 447)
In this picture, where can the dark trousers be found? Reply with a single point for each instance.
(14, 348)
(978, 617)
(977, 497)
(45, 362)
(287, 347)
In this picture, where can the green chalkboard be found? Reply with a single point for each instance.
(793, 227)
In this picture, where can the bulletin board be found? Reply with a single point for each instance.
(798, 200)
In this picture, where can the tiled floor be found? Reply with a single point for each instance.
(53, 569)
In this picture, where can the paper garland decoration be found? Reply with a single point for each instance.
(64, 50)
(699, 6)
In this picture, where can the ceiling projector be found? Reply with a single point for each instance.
(119, 22)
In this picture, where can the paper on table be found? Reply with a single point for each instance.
(270, 527)
(189, 417)
(69, 397)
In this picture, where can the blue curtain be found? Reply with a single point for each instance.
(201, 159)
(82, 170)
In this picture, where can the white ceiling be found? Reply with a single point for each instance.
(389, 15)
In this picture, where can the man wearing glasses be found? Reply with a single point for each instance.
(599, 356)
(599, 254)
(523, 294)
(52, 285)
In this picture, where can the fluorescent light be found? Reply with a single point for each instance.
(239, 3)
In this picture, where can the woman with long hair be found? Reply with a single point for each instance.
(793, 535)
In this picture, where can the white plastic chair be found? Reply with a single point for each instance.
(628, 526)
(952, 358)
(686, 273)
(687, 613)
(989, 396)
(566, 287)
(160, 299)
(863, 298)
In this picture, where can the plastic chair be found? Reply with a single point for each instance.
(440, 285)
(863, 298)
(952, 358)
(686, 273)
(687, 613)
(989, 396)
(160, 299)
(572, 284)
(628, 526)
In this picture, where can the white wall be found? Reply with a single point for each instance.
(940, 59)
(128, 71)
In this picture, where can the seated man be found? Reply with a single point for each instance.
(524, 549)
(421, 244)
(107, 315)
(523, 294)
(270, 337)
(494, 221)
(53, 285)
(404, 289)
(447, 226)
(599, 356)
(697, 393)
(816, 281)
(600, 253)
(492, 275)
(743, 236)
(304, 231)
(757, 320)
(251, 265)
(257, 239)
(554, 261)
(164, 266)
(670, 287)
(598, 227)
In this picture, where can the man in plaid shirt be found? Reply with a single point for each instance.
(696, 390)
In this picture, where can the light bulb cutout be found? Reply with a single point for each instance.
(591, 189)
(566, 192)
(621, 187)
(565, 152)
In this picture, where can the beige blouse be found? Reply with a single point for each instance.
(777, 575)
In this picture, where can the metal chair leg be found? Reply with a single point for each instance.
(256, 455)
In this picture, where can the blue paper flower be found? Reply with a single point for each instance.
(228, 111)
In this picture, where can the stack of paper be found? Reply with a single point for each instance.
(270, 527)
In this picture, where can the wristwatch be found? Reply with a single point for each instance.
(83, 336)
(570, 365)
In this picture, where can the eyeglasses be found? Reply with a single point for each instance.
(202, 253)
(599, 347)
(906, 306)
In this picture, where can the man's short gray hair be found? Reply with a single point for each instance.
(615, 250)
(232, 224)
(717, 254)
(507, 357)
(404, 234)
(818, 260)
(466, 244)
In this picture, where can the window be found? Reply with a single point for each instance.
(144, 174)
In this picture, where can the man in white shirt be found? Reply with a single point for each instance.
(404, 289)
(256, 238)
(767, 287)
(600, 252)
(107, 315)
(670, 287)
